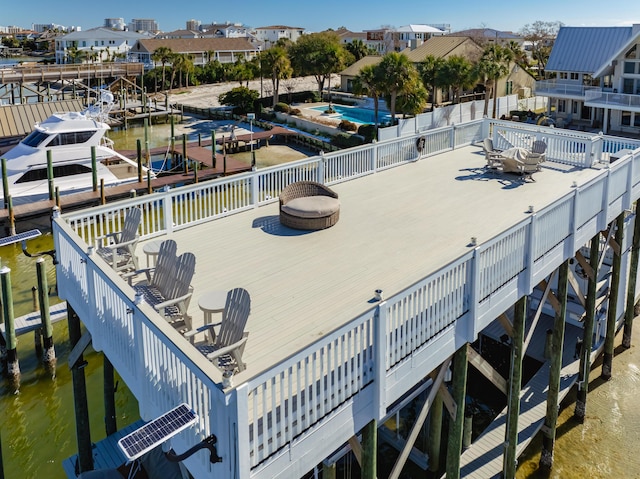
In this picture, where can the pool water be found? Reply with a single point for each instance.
(356, 115)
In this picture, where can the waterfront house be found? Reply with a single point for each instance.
(95, 45)
(349, 323)
(203, 50)
(593, 78)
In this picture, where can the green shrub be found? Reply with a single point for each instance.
(346, 125)
(283, 107)
(343, 140)
(369, 132)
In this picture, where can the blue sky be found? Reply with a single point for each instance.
(315, 16)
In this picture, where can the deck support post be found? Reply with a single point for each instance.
(551, 419)
(580, 410)
(607, 358)
(435, 434)
(83, 432)
(94, 169)
(213, 148)
(456, 423)
(515, 381)
(369, 450)
(110, 424)
(139, 159)
(631, 290)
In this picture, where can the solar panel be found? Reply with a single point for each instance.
(27, 235)
(150, 435)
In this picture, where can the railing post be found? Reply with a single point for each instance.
(321, 168)
(243, 465)
(167, 207)
(527, 283)
(474, 275)
(374, 155)
(255, 191)
(380, 358)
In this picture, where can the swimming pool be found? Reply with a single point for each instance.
(356, 115)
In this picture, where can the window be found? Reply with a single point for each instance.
(39, 174)
(632, 52)
(636, 120)
(562, 106)
(84, 44)
(35, 138)
(509, 87)
(563, 76)
(574, 76)
(629, 67)
(575, 108)
(626, 118)
(627, 86)
(72, 138)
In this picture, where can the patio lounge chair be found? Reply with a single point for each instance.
(225, 348)
(307, 205)
(539, 150)
(118, 249)
(494, 157)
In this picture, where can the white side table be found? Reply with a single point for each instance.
(151, 249)
(212, 302)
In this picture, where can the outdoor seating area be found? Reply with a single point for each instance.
(307, 205)
(517, 160)
(167, 286)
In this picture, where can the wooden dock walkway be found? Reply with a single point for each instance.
(106, 453)
(484, 458)
(31, 321)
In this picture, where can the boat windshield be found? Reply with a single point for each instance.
(39, 174)
(72, 138)
(35, 138)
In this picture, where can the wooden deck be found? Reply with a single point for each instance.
(395, 227)
(31, 321)
(106, 453)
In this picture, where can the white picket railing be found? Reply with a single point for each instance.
(351, 365)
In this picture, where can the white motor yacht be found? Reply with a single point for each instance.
(69, 137)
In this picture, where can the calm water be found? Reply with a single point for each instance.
(357, 115)
(37, 426)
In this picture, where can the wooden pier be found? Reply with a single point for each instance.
(32, 321)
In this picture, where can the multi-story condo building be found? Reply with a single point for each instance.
(593, 76)
(271, 34)
(143, 25)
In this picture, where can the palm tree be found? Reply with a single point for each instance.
(397, 72)
(367, 82)
(457, 74)
(413, 99)
(163, 55)
(429, 71)
(494, 64)
(357, 48)
(276, 62)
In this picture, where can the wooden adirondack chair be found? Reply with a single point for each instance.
(118, 249)
(225, 348)
(167, 286)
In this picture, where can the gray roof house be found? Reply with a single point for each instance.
(593, 77)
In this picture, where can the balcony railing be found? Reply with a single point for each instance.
(567, 89)
(616, 101)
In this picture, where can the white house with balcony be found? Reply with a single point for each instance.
(271, 34)
(95, 45)
(593, 76)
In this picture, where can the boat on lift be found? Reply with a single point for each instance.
(70, 138)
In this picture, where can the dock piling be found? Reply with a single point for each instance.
(37, 333)
(607, 357)
(551, 419)
(456, 424)
(13, 366)
(369, 450)
(103, 198)
(580, 410)
(629, 312)
(5, 183)
(50, 174)
(185, 158)
(109, 398)
(94, 169)
(515, 385)
(213, 148)
(49, 356)
(139, 158)
(12, 217)
(83, 432)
